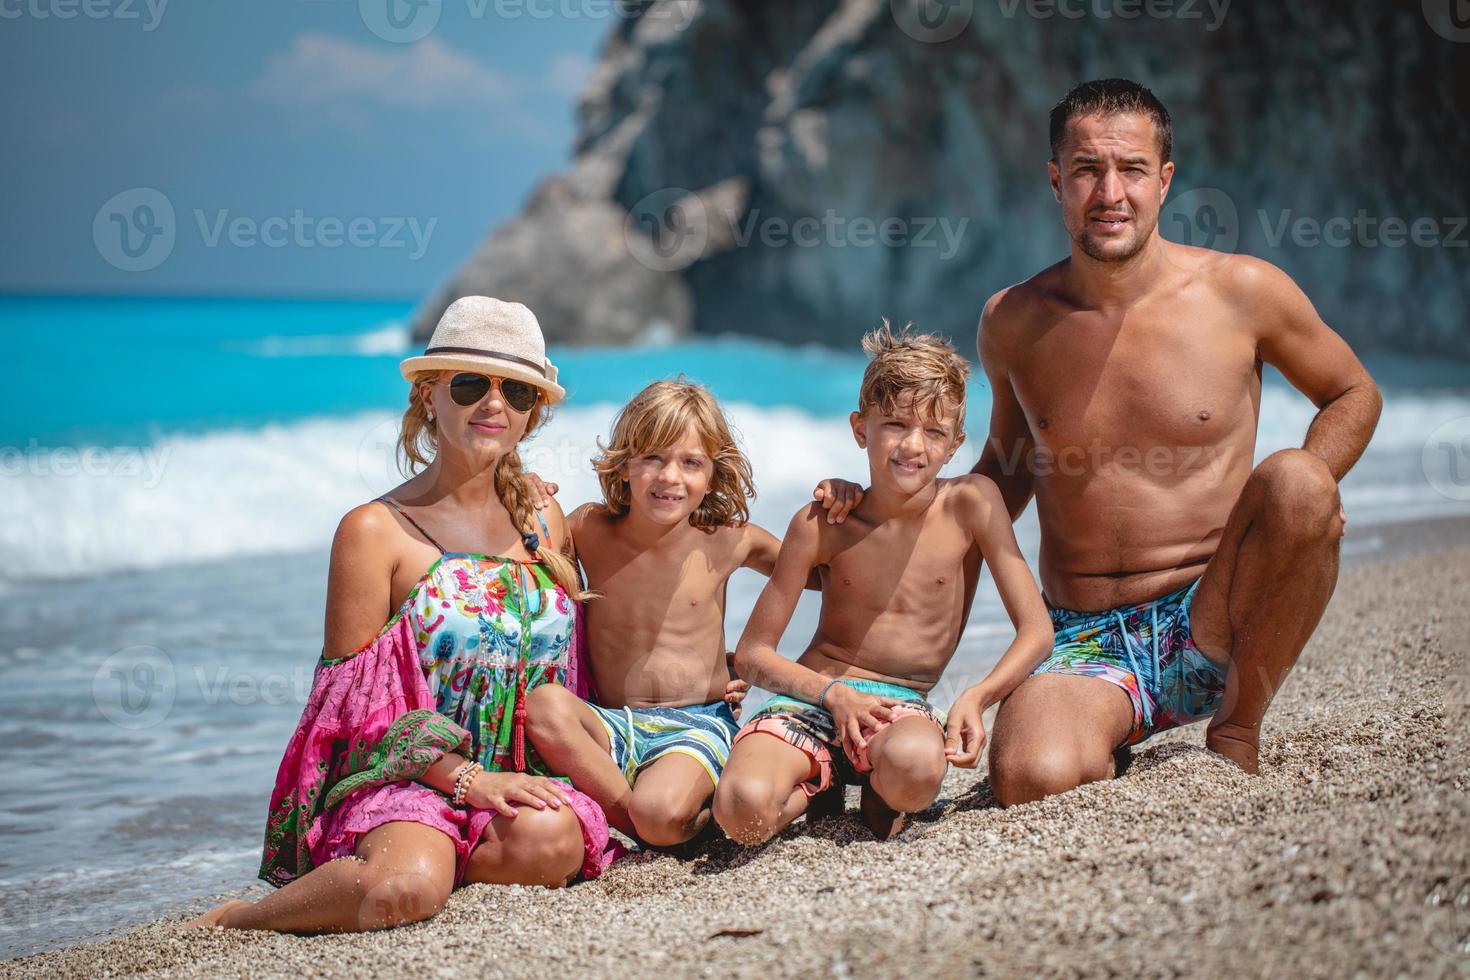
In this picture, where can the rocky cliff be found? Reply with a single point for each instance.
(797, 168)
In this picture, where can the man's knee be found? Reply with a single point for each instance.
(746, 808)
(1024, 776)
(1299, 494)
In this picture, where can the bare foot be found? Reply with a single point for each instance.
(1237, 743)
(830, 802)
(215, 916)
(881, 819)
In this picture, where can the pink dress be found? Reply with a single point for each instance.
(448, 673)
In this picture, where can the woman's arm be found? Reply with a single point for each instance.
(360, 579)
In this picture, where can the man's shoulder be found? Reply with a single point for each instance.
(1011, 310)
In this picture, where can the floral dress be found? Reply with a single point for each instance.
(448, 673)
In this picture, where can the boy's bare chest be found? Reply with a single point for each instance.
(915, 566)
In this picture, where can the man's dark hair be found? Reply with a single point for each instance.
(1109, 97)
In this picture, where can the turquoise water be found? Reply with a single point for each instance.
(121, 370)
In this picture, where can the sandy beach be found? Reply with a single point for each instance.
(1344, 857)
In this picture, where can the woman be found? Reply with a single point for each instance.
(407, 775)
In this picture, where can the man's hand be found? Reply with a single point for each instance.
(502, 791)
(541, 491)
(839, 497)
(854, 713)
(964, 735)
(735, 693)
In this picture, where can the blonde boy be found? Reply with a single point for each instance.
(672, 527)
(897, 579)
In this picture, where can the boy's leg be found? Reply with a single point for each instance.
(670, 801)
(761, 792)
(572, 742)
(908, 766)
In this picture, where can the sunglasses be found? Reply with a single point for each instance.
(469, 389)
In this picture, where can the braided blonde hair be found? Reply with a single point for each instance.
(418, 443)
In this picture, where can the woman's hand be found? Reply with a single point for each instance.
(540, 490)
(503, 791)
(839, 497)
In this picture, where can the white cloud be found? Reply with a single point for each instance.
(320, 70)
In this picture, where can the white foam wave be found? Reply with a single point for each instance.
(283, 488)
(392, 337)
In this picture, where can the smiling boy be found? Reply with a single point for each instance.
(672, 529)
(897, 579)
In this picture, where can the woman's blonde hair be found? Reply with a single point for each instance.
(418, 444)
(655, 419)
(924, 366)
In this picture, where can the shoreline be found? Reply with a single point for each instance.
(1324, 864)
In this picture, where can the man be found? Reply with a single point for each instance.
(1184, 581)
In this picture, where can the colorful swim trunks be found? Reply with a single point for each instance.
(1148, 651)
(812, 730)
(642, 736)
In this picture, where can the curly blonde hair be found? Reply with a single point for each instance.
(418, 443)
(923, 366)
(656, 418)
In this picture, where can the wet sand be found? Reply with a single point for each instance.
(1345, 855)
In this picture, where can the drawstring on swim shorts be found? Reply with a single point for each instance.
(1128, 646)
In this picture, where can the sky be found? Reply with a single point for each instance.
(326, 148)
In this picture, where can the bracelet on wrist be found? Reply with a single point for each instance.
(462, 780)
(822, 698)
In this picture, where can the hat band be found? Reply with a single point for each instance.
(538, 368)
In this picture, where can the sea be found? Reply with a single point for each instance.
(171, 472)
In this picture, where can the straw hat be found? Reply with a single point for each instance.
(489, 336)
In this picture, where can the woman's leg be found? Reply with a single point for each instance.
(401, 872)
(535, 847)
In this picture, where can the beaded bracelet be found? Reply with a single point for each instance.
(462, 780)
(822, 698)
